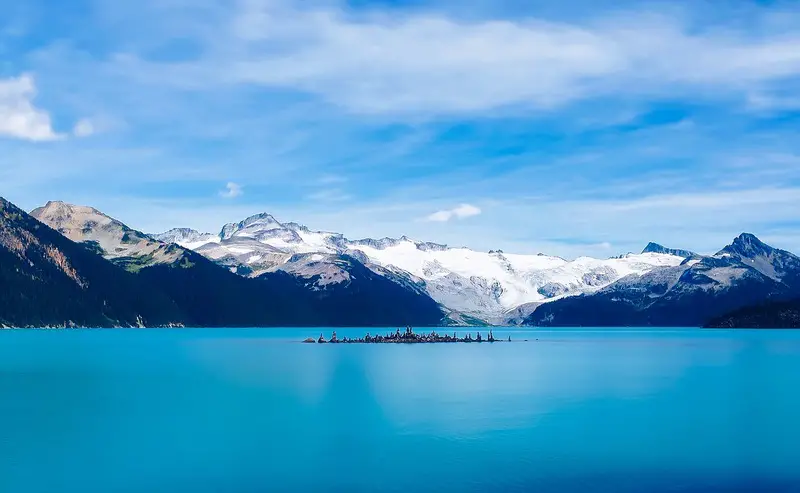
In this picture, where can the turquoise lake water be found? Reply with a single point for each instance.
(253, 410)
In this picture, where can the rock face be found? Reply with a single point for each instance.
(656, 248)
(745, 273)
(48, 280)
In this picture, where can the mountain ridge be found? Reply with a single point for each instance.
(260, 271)
(746, 272)
(486, 286)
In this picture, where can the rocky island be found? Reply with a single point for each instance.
(406, 337)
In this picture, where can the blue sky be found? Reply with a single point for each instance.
(584, 127)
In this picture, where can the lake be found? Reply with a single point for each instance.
(253, 410)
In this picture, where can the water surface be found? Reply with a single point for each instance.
(253, 410)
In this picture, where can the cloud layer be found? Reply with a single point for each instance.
(571, 127)
(407, 64)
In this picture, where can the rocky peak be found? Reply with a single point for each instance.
(296, 227)
(747, 245)
(179, 235)
(59, 212)
(257, 222)
(380, 244)
(431, 247)
(261, 219)
(656, 248)
(106, 235)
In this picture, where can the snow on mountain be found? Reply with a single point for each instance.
(185, 237)
(486, 285)
(491, 284)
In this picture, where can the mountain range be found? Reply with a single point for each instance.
(699, 290)
(199, 291)
(73, 265)
(484, 286)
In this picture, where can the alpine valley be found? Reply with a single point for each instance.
(69, 265)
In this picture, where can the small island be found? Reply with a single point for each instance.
(406, 337)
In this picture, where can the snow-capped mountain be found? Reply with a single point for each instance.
(484, 285)
(187, 238)
(744, 273)
(489, 284)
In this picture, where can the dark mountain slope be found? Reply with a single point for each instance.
(47, 280)
(366, 298)
(215, 297)
(776, 315)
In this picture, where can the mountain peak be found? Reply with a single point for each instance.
(747, 245)
(653, 248)
(261, 217)
(84, 224)
(656, 248)
(748, 238)
(183, 236)
(257, 222)
(57, 210)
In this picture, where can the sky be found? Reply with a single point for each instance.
(585, 127)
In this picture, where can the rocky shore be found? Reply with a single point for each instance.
(406, 337)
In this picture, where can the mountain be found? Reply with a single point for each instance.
(50, 281)
(700, 289)
(775, 315)
(305, 291)
(779, 265)
(184, 236)
(656, 248)
(491, 285)
(471, 285)
(109, 237)
(262, 272)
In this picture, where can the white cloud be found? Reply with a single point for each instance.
(407, 63)
(430, 63)
(461, 212)
(83, 128)
(232, 190)
(19, 118)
